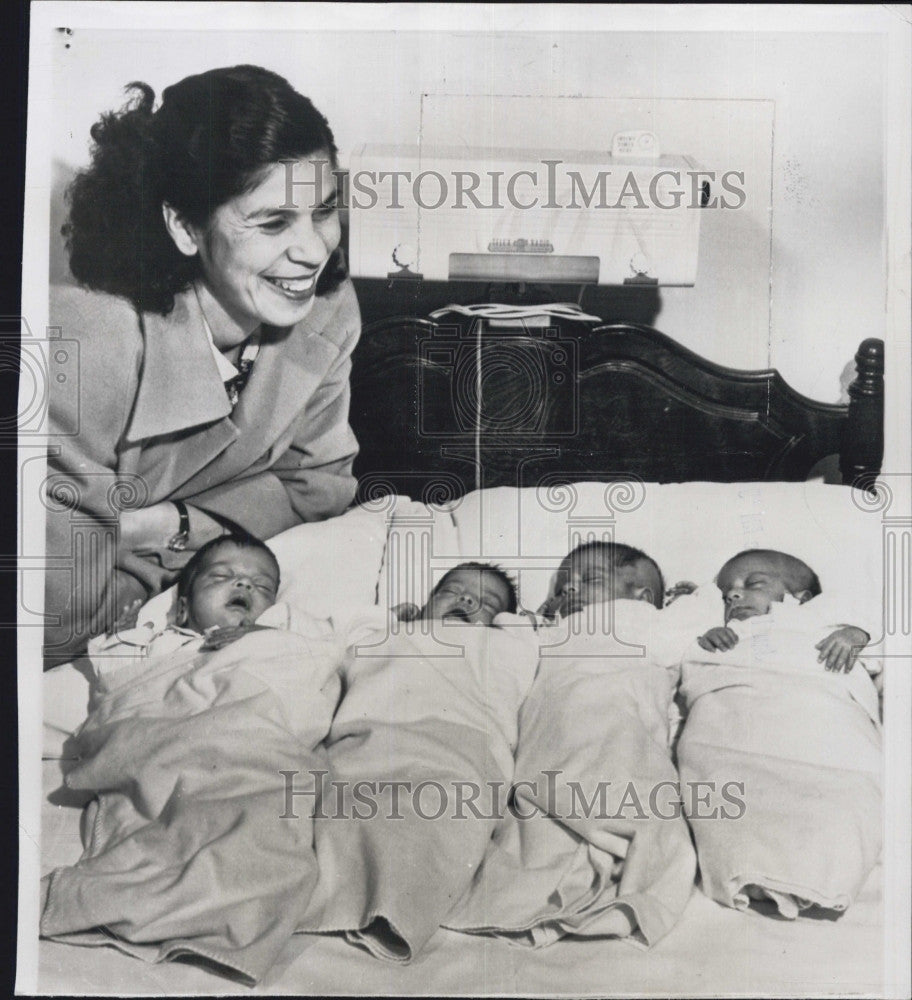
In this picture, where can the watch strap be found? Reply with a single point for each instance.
(178, 542)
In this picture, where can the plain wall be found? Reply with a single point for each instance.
(794, 283)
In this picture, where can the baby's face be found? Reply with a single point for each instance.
(587, 577)
(469, 595)
(233, 586)
(750, 584)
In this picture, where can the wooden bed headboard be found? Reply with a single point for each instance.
(440, 409)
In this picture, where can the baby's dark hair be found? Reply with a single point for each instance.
(619, 555)
(494, 570)
(802, 576)
(239, 539)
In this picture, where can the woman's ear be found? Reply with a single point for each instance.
(803, 595)
(645, 594)
(183, 236)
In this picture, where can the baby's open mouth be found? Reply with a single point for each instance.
(239, 600)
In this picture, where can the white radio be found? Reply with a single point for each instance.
(448, 213)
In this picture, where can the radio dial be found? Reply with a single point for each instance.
(639, 263)
(404, 255)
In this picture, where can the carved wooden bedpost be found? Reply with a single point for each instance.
(863, 437)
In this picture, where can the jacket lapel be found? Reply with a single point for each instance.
(183, 434)
(181, 417)
(179, 384)
(289, 369)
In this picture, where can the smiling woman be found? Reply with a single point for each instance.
(260, 255)
(215, 325)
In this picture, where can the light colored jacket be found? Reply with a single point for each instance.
(151, 421)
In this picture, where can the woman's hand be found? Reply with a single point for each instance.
(149, 529)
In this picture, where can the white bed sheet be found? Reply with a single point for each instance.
(712, 951)
(402, 549)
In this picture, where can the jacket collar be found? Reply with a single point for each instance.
(290, 365)
(180, 386)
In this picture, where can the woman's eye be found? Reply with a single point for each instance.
(273, 226)
(325, 211)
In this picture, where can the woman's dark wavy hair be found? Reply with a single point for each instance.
(210, 140)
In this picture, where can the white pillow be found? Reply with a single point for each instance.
(329, 567)
(690, 529)
(423, 543)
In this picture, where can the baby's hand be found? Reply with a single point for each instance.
(840, 648)
(681, 588)
(550, 607)
(719, 639)
(218, 638)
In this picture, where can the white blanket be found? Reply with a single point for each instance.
(421, 754)
(803, 745)
(185, 847)
(595, 844)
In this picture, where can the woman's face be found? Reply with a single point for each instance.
(262, 252)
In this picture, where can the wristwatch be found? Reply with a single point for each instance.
(178, 542)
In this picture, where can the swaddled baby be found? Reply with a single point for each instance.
(594, 844)
(420, 760)
(773, 703)
(185, 752)
(755, 580)
(226, 590)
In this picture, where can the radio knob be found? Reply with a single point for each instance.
(639, 263)
(404, 255)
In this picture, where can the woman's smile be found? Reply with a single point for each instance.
(297, 288)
